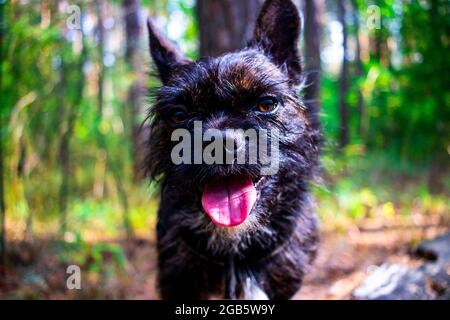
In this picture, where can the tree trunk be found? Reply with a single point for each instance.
(115, 170)
(101, 53)
(359, 68)
(67, 132)
(313, 33)
(133, 34)
(63, 160)
(2, 199)
(343, 80)
(225, 25)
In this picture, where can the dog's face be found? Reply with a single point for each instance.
(255, 88)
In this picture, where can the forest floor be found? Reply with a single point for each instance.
(344, 260)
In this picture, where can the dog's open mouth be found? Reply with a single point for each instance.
(228, 201)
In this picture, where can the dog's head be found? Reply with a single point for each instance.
(252, 89)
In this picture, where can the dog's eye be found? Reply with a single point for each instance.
(267, 105)
(178, 115)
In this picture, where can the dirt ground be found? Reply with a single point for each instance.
(344, 260)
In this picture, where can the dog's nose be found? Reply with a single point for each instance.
(234, 141)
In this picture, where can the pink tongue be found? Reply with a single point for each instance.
(228, 201)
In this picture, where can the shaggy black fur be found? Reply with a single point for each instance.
(274, 247)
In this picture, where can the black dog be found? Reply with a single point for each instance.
(263, 248)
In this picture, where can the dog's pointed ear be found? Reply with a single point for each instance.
(164, 53)
(277, 34)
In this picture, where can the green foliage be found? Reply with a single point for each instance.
(91, 256)
(405, 87)
(375, 187)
